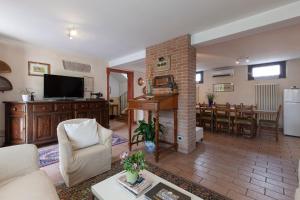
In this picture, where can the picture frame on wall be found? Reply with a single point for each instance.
(223, 87)
(88, 84)
(163, 64)
(38, 68)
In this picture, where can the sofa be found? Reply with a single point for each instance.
(297, 194)
(81, 164)
(20, 176)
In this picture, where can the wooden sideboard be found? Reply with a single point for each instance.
(35, 122)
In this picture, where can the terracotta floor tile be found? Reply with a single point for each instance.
(269, 186)
(258, 196)
(237, 196)
(276, 195)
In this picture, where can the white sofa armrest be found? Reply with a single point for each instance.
(105, 136)
(65, 148)
(18, 160)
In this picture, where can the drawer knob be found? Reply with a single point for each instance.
(14, 108)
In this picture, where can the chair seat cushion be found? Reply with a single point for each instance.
(223, 120)
(82, 135)
(243, 121)
(267, 123)
(33, 186)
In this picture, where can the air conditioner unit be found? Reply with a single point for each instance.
(220, 72)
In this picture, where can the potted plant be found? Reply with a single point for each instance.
(210, 97)
(26, 95)
(147, 130)
(133, 165)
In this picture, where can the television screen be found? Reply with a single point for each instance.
(63, 86)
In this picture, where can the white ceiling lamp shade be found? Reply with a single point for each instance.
(242, 60)
(72, 32)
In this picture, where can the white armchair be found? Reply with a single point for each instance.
(82, 164)
(20, 176)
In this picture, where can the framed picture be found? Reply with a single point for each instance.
(141, 81)
(223, 87)
(88, 84)
(38, 69)
(163, 64)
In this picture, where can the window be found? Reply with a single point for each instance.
(267, 71)
(199, 77)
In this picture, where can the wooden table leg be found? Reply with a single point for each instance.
(129, 129)
(157, 136)
(175, 130)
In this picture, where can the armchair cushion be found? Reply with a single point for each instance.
(83, 134)
(33, 186)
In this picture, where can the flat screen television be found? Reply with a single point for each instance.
(56, 86)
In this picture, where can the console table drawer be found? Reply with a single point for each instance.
(43, 108)
(17, 108)
(62, 107)
(81, 106)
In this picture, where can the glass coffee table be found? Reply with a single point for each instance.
(110, 189)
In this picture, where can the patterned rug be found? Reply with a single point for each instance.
(49, 155)
(82, 191)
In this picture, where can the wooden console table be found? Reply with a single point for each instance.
(154, 105)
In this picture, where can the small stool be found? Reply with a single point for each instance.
(199, 134)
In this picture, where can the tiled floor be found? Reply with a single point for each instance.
(236, 167)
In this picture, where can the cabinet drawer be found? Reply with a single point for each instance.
(95, 105)
(43, 108)
(17, 108)
(82, 106)
(62, 107)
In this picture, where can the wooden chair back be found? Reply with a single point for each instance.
(278, 114)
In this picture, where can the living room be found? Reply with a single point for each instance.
(67, 132)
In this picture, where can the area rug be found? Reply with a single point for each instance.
(82, 191)
(49, 155)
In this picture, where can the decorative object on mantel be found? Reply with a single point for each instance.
(133, 165)
(210, 98)
(77, 67)
(146, 131)
(4, 68)
(97, 95)
(141, 81)
(38, 69)
(164, 85)
(163, 64)
(144, 90)
(5, 84)
(88, 84)
(223, 87)
(27, 95)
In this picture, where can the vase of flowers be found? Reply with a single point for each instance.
(210, 98)
(147, 131)
(133, 165)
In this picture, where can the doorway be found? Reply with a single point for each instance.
(119, 90)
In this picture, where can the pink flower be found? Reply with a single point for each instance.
(123, 155)
(135, 166)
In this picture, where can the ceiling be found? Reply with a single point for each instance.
(269, 46)
(112, 28)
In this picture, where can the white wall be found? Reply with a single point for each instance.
(138, 91)
(114, 87)
(17, 55)
(244, 91)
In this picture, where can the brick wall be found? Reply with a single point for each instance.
(183, 67)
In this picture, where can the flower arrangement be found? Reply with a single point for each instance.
(210, 97)
(133, 165)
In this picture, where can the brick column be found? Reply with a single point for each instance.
(183, 68)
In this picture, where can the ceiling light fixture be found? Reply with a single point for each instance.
(71, 33)
(241, 60)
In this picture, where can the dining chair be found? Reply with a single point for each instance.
(207, 117)
(270, 125)
(222, 119)
(245, 119)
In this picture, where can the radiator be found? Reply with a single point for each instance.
(267, 98)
